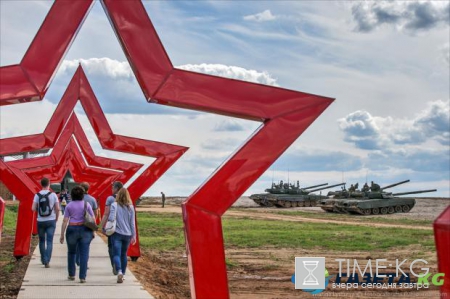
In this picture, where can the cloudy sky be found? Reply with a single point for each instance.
(386, 63)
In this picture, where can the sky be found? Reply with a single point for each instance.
(385, 62)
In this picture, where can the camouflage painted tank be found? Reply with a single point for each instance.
(373, 200)
(386, 203)
(332, 203)
(285, 195)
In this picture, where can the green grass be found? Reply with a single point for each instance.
(344, 217)
(9, 221)
(165, 232)
(358, 218)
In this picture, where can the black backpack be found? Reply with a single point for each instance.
(44, 207)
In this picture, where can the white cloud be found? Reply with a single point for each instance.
(368, 132)
(233, 72)
(261, 17)
(100, 67)
(121, 70)
(361, 128)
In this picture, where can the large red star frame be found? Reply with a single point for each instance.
(64, 118)
(285, 115)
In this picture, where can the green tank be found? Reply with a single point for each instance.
(383, 203)
(284, 195)
(332, 203)
(373, 200)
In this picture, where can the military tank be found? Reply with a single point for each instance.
(385, 203)
(332, 203)
(290, 195)
(376, 201)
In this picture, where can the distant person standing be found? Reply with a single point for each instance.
(163, 198)
(109, 201)
(47, 205)
(125, 232)
(63, 198)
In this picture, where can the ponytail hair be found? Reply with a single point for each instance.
(123, 198)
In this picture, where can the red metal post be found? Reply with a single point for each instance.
(61, 133)
(442, 238)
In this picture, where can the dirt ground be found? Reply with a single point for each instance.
(254, 273)
(11, 270)
(266, 273)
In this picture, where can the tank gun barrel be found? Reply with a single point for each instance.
(396, 184)
(315, 186)
(415, 192)
(327, 187)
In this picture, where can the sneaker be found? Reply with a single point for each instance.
(71, 278)
(120, 278)
(82, 280)
(47, 265)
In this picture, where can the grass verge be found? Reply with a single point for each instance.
(356, 218)
(165, 232)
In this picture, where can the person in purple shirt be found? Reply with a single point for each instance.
(77, 234)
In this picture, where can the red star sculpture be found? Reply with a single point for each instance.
(285, 114)
(79, 89)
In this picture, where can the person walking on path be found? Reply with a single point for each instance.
(63, 198)
(93, 202)
(110, 200)
(125, 232)
(47, 205)
(77, 234)
(163, 198)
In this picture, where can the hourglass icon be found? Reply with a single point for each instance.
(310, 279)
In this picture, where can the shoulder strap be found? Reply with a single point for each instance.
(85, 206)
(115, 209)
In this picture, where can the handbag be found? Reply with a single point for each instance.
(110, 226)
(89, 221)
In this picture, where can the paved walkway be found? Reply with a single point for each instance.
(52, 282)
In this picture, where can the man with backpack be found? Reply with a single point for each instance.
(47, 206)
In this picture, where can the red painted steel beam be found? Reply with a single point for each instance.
(62, 125)
(442, 239)
(29, 80)
(285, 115)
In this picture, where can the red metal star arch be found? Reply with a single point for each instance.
(79, 89)
(285, 114)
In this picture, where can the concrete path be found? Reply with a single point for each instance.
(48, 283)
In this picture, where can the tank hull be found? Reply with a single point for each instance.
(378, 206)
(286, 200)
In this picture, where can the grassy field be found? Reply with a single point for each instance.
(165, 232)
(357, 218)
(9, 222)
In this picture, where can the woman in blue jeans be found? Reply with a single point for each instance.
(125, 233)
(77, 234)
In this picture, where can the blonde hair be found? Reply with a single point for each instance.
(123, 197)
